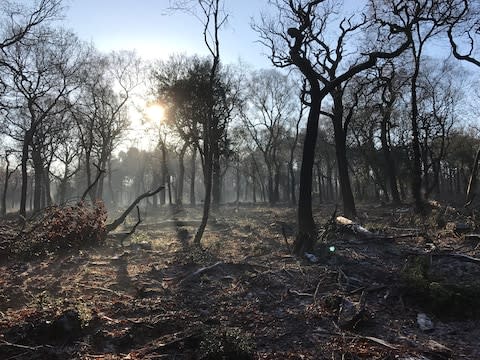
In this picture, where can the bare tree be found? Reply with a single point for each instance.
(271, 102)
(101, 112)
(18, 27)
(298, 37)
(41, 77)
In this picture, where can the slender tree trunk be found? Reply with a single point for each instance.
(293, 185)
(181, 175)
(208, 197)
(237, 183)
(319, 180)
(165, 176)
(342, 163)
(216, 177)
(254, 190)
(88, 171)
(3, 208)
(155, 184)
(276, 188)
(193, 165)
(417, 158)
(270, 185)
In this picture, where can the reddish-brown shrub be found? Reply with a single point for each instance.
(65, 227)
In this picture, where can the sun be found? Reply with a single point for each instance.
(155, 112)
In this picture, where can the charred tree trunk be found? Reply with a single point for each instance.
(417, 157)
(306, 235)
(340, 133)
(389, 161)
(39, 178)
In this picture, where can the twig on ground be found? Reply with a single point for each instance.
(104, 289)
(298, 293)
(200, 271)
(20, 346)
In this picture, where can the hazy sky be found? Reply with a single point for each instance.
(149, 27)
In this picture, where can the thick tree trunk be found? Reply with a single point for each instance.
(389, 161)
(23, 193)
(306, 235)
(38, 174)
(47, 187)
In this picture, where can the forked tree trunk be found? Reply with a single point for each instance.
(342, 162)
(389, 161)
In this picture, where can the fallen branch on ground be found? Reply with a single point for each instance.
(104, 289)
(116, 223)
(200, 271)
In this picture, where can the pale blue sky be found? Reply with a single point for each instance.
(148, 26)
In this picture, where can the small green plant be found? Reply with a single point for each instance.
(226, 343)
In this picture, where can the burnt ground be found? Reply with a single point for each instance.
(243, 296)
